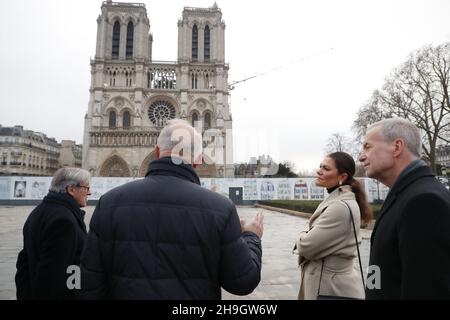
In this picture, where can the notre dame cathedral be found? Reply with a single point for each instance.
(132, 96)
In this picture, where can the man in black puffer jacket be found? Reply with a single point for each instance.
(166, 237)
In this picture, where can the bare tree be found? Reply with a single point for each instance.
(337, 142)
(371, 112)
(417, 91)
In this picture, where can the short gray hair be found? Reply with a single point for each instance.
(68, 176)
(395, 128)
(180, 134)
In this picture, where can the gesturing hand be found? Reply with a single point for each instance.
(255, 225)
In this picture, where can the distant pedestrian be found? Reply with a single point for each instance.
(53, 238)
(410, 243)
(166, 237)
(328, 248)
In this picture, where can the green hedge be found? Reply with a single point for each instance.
(308, 206)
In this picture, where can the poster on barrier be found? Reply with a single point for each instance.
(267, 190)
(39, 187)
(250, 189)
(284, 190)
(20, 189)
(35, 188)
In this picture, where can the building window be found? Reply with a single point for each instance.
(194, 118)
(160, 112)
(126, 119)
(128, 78)
(130, 35)
(116, 40)
(4, 158)
(112, 119)
(194, 81)
(194, 43)
(207, 44)
(112, 81)
(162, 79)
(207, 121)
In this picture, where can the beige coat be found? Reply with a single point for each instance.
(330, 237)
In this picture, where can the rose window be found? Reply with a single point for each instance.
(160, 112)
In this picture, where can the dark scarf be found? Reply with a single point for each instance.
(409, 168)
(330, 190)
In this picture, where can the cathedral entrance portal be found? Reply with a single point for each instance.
(115, 166)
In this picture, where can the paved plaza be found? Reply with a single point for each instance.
(280, 274)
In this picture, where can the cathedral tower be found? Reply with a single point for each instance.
(132, 97)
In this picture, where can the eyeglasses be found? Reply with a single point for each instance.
(86, 187)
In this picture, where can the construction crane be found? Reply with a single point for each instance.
(232, 84)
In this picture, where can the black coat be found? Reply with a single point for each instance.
(53, 239)
(166, 237)
(411, 240)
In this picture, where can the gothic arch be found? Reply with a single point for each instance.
(144, 166)
(196, 105)
(132, 19)
(107, 115)
(126, 108)
(116, 19)
(110, 104)
(205, 115)
(149, 102)
(129, 38)
(114, 166)
(194, 111)
(111, 108)
(115, 36)
(207, 48)
(112, 119)
(193, 23)
(194, 115)
(126, 119)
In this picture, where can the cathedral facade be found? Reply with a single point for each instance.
(132, 96)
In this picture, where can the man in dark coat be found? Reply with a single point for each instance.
(166, 237)
(410, 244)
(53, 238)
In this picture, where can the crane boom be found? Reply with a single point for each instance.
(232, 84)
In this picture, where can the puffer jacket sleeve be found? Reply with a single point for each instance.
(93, 272)
(240, 263)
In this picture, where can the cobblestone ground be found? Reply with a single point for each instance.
(280, 274)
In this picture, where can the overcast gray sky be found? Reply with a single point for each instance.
(289, 113)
